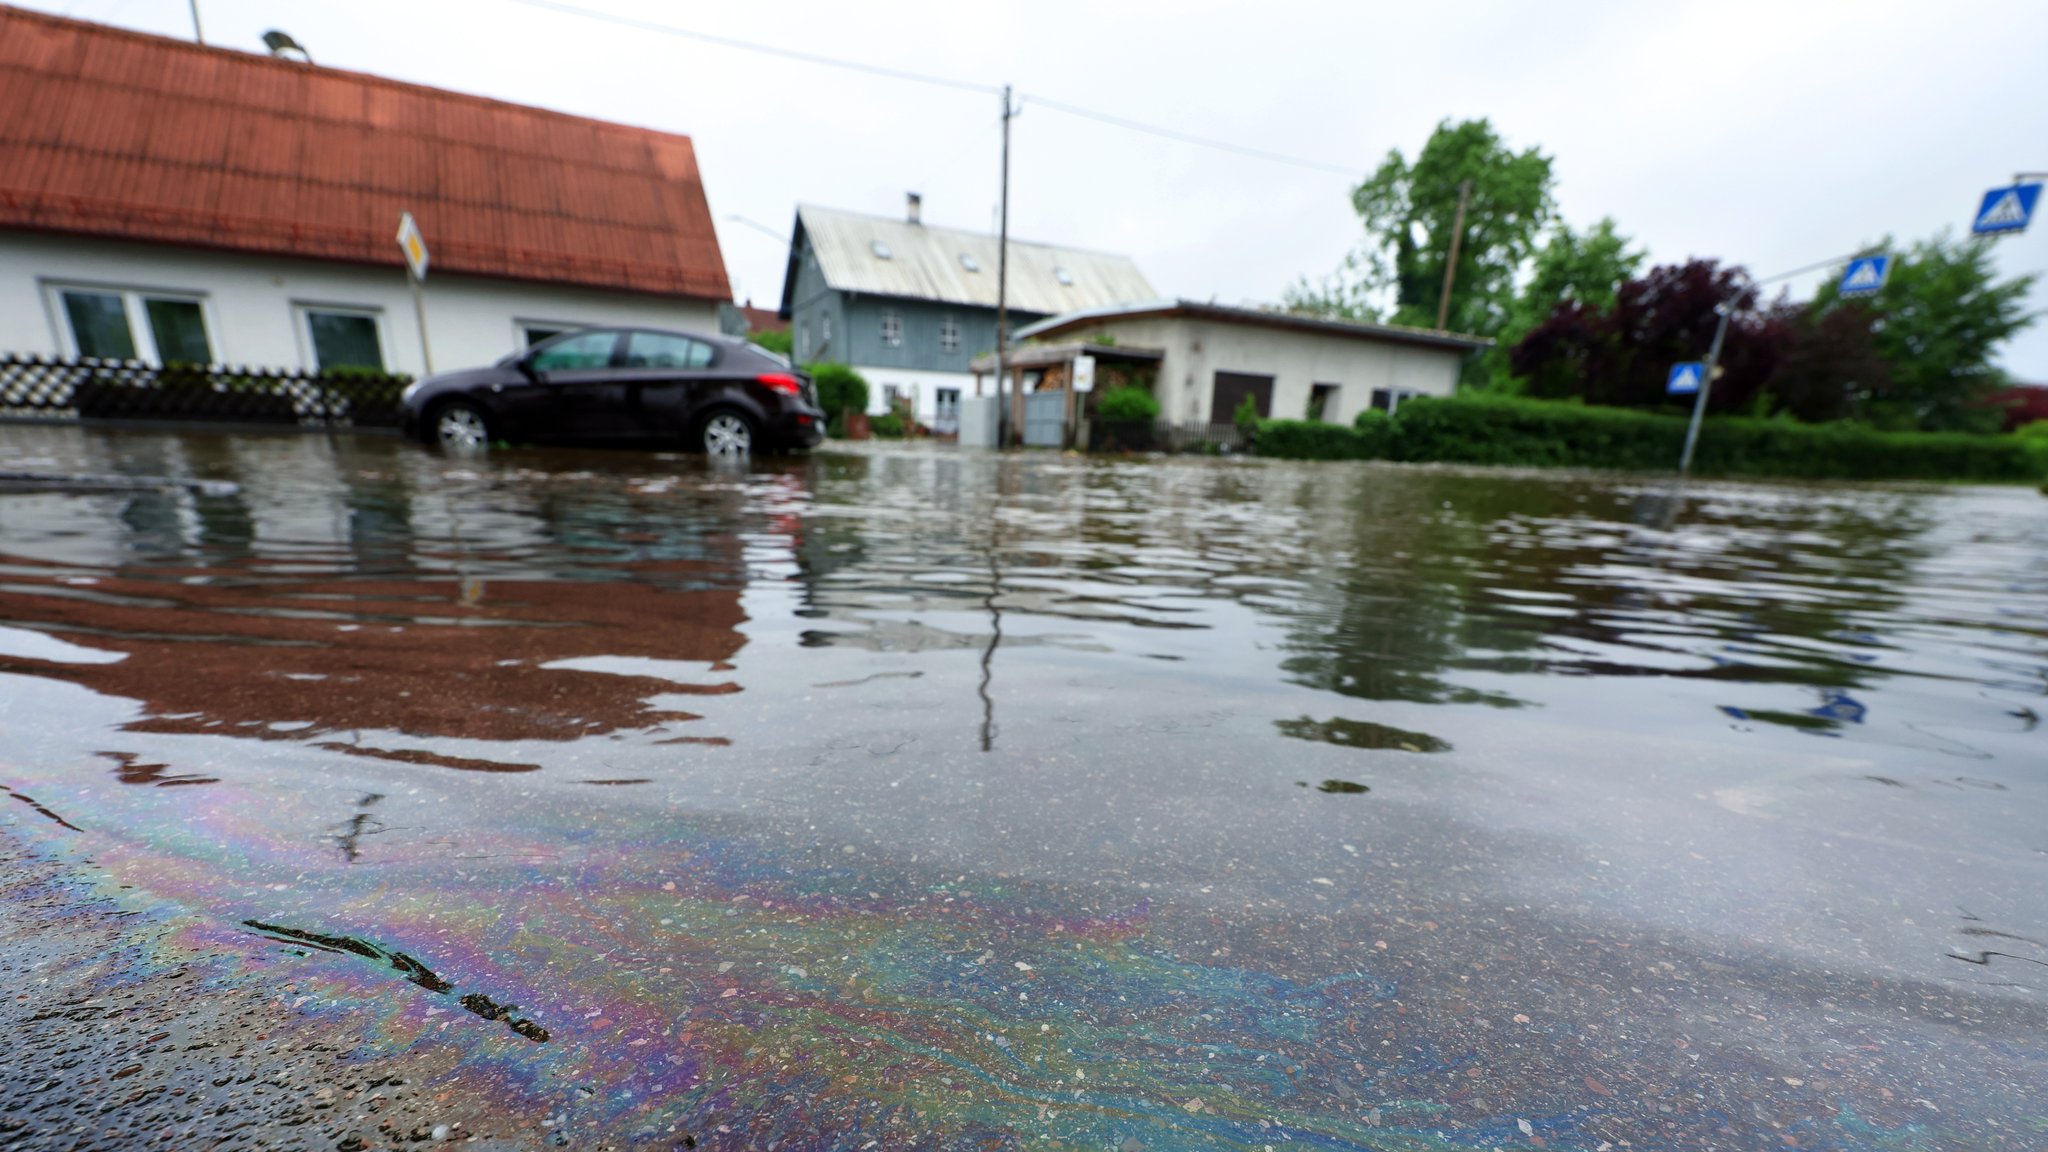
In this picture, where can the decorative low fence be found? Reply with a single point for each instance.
(41, 389)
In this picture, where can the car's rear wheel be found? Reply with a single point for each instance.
(726, 432)
(462, 426)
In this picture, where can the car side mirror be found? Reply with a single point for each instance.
(526, 368)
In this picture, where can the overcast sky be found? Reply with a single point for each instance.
(1770, 134)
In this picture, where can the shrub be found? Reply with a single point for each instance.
(1127, 405)
(1308, 440)
(1535, 432)
(1375, 431)
(839, 388)
(1247, 416)
(889, 425)
(1545, 434)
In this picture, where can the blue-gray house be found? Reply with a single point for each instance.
(910, 305)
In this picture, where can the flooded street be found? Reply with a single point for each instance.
(914, 798)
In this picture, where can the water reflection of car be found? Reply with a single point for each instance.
(709, 394)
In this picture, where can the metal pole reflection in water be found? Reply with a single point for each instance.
(995, 637)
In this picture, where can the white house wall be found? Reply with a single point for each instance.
(923, 387)
(1297, 360)
(251, 302)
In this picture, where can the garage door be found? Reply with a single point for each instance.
(1230, 391)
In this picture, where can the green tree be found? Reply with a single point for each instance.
(1937, 325)
(777, 342)
(1583, 268)
(1408, 210)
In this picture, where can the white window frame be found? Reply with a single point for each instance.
(949, 334)
(892, 328)
(519, 327)
(824, 330)
(302, 311)
(132, 307)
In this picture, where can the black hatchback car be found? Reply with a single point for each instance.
(709, 394)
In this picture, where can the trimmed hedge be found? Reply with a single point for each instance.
(1309, 440)
(1552, 435)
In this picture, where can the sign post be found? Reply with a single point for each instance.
(414, 246)
(1705, 376)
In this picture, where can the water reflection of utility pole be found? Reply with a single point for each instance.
(995, 635)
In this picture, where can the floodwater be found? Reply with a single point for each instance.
(910, 798)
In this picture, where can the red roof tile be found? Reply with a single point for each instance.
(119, 134)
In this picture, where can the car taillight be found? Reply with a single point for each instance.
(781, 382)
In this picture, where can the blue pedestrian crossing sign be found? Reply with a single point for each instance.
(2006, 209)
(1685, 378)
(1864, 276)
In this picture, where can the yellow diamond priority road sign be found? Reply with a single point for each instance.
(413, 245)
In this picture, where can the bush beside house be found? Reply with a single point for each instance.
(840, 390)
(1559, 435)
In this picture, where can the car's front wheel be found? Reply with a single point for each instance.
(461, 425)
(726, 432)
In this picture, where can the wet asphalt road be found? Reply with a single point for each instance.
(907, 798)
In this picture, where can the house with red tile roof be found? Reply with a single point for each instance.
(169, 202)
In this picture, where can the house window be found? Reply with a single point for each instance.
(1320, 398)
(825, 329)
(99, 325)
(1389, 399)
(121, 324)
(533, 334)
(949, 334)
(803, 339)
(344, 339)
(892, 329)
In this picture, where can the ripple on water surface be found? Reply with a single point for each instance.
(918, 798)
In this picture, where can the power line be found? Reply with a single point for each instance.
(1186, 137)
(751, 46)
(567, 9)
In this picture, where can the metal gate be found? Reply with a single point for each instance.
(1045, 419)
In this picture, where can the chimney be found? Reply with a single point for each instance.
(913, 207)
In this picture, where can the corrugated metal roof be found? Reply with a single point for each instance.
(119, 134)
(1392, 333)
(925, 263)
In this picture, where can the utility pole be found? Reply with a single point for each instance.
(1003, 285)
(1443, 304)
(198, 33)
(419, 311)
(1699, 400)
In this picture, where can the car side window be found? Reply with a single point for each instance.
(663, 350)
(587, 350)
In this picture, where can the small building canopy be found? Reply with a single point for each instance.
(1079, 321)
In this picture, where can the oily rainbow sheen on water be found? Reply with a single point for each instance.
(688, 981)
